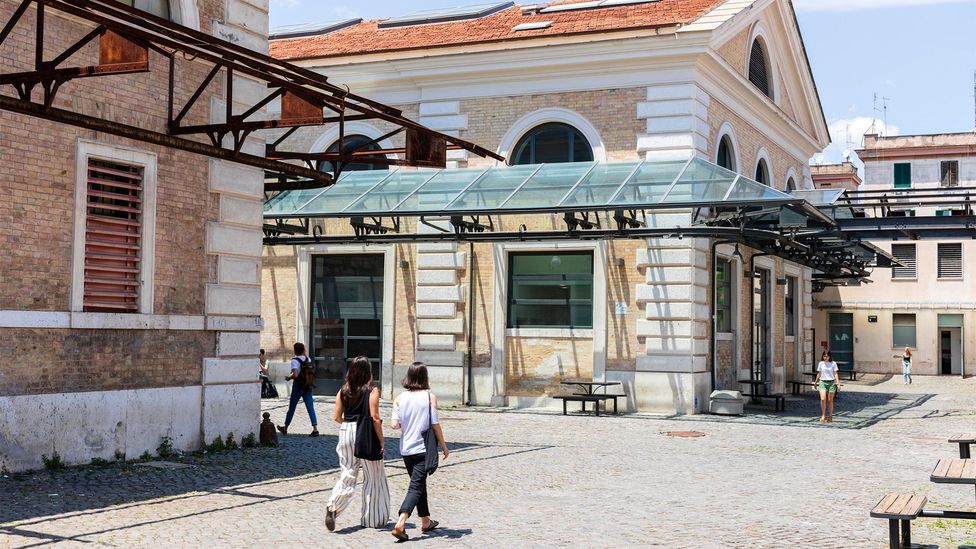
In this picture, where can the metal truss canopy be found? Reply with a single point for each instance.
(596, 201)
(126, 35)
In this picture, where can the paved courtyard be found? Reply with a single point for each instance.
(534, 478)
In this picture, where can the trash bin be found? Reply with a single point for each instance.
(725, 403)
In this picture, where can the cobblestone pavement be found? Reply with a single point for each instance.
(535, 478)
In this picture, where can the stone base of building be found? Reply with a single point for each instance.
(109, 425)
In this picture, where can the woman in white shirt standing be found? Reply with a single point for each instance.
(414, 412)
(828, 384)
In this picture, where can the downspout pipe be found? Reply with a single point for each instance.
(471, 317)
(714, 291)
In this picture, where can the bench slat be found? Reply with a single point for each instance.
(964, 437)
(899, 506)
(955, 468)
(940, 468)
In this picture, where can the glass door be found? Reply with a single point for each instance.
(347, 316)
(842, 340)
(760, 327)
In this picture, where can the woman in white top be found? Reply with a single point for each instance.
(828, 384)
(906, 365)
(415, 411)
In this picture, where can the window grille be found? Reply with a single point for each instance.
(950, 260)
(113, 237)
(758, 69)
(905, 254)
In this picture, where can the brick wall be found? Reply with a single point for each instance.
(75, 361)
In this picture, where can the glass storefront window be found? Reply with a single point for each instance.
(550, 290)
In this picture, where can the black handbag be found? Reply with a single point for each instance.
(368, 445)
(431, 458)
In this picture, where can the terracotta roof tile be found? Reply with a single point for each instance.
(367, 37)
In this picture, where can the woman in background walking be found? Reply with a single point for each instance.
(414, 412)
(828, 384)
(906, 366)
(358, 401)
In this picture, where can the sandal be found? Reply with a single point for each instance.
(401, 536)
(433, 524)
(283, 429)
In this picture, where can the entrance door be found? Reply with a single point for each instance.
(950, 351)
(760, 325)
(842, 340)
(347, 316)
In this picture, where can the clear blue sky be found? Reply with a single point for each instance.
(920, 54)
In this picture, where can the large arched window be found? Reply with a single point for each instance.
(726, 154)
(552, 143)
(759, 70)
(762, 172)
(790, 185)
(352, 142)
(159, 8)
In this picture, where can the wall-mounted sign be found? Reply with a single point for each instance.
(620, 308)
(872, 318)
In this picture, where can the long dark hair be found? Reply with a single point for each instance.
(416, 378)
(358, 376)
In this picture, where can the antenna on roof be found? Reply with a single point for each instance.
(974, 101)
(884, 116)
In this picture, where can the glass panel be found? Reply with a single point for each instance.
(702, 181)
(553, 180)
(437, 193)
(388, 194)
(492, 189)
(819, 197)
(650, 183)
(903, 330)
(349, 188)
(289, 202)
(748, 190)
(723, 296)
(950, 321)
(600, 184)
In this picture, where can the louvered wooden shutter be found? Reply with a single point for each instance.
(950, 260)
(113, 237)
(905, 254)
(758, 71)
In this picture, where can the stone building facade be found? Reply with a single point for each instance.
(676, 91)
(84, 377)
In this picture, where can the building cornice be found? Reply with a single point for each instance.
(909, 153)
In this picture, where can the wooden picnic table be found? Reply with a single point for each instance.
(954, 471)
(964, 440)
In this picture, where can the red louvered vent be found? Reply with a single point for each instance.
(113, 237)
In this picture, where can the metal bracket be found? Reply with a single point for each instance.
(375, 226)
(463, 225)
(581, 220)
(627, 219)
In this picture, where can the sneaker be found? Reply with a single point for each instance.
(330, 519)
(314, 433)
(282, 429)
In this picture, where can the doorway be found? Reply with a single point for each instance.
(346, 316)
(950, 344)
(841, 338)
(760, 325)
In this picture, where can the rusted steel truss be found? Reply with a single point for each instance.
(125, 35)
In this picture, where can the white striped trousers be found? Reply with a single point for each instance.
(376, 492)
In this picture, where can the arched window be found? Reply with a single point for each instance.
(726, 154)
(759, 71)
(551, 143)
(762, 172)
(790, 185)
(159, 8)
(352, 142)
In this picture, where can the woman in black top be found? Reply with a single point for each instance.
(359, 400)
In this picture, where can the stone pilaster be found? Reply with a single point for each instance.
(677, 122)
(446, 117)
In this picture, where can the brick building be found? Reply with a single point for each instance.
(129, 286)
(726, 82)
(928, 304)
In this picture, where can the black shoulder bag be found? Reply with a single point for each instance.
(368, 445)
(430, 442)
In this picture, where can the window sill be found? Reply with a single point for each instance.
(580, 333)
(950, 279)
(724, 336)
(905, 279)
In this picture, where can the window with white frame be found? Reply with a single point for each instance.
(759, 70)
(949, 172)
(552, 142)
(114, 225)
(950, 260)
(789, 306)
(723, 295)
(550, 290)
(905, 254)
(726, 154)
(159, 8)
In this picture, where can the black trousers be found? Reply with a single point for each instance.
(417, 491)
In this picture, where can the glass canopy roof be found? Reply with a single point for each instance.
(583, 186)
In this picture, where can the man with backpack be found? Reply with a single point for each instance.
(303, 376)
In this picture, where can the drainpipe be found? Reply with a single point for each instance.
(714, 291)
(471, 316)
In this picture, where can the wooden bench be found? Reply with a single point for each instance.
(851, 374)
(903, 508)
(779, 401)
(583, 399)
(797, 384)
(964, 440)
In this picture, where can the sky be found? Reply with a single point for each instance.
(917, 56)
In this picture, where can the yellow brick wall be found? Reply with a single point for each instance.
(535, 366)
